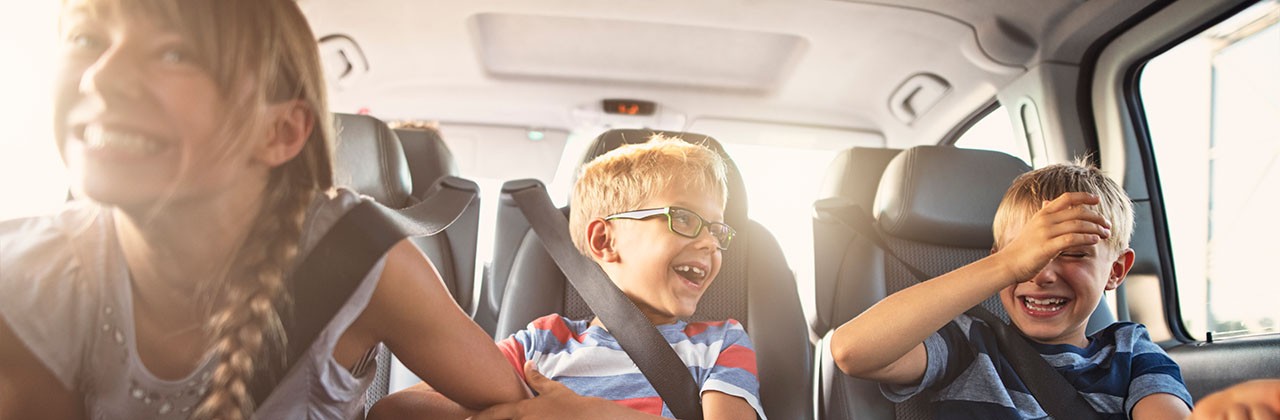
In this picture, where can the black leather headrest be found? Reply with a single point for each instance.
(736, 205)
(370, 160)
(429, 158)
(944, 195)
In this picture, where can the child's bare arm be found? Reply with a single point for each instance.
(721, 406)
(412, 312)
(885, 343)
(418, 402)
(1160, 406)
(556, 401)
(27, 389)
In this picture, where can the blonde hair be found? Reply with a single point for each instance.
(1030, 190)
(259, 52)
(626, 177)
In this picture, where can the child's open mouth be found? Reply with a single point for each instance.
(1043, 307)
(119, 141)
(694, 275)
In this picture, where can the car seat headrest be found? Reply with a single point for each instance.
(428, 156)
(944, 195)
(369, 159)
(855, 174)
(736, 205)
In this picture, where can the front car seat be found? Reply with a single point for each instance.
(755, 286)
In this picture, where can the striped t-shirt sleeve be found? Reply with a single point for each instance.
(516, 349)
(1151, 369)
(734, 370)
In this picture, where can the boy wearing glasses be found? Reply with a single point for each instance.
(650, 215)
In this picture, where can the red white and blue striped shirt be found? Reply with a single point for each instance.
(588, 360)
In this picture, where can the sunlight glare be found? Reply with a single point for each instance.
(32, 180)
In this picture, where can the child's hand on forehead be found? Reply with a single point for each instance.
(1066, 222)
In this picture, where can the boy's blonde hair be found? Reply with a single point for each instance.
(624, 178)
(1031, 189)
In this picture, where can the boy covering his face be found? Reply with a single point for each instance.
(1062, 238)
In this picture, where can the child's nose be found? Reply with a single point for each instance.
(706, 241)
(1045, 277)
(112, 75)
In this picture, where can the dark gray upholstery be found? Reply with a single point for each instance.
(755, 286)
(429, 157)
(429, 160)
(371, 160)
(840, 256)
(953, 194)
(936, 195)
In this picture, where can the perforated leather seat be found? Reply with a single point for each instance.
(755, 286)
(934, 206)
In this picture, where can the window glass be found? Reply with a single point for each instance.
(1212, 106)
(995, 132)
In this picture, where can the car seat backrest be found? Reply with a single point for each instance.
(369, 159)
(841, 256)
(454, 250)
(921, 185)
(755, 286)
(429, 157)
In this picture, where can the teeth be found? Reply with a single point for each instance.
(1043, 305)
(690, 269)
(98, 138)
(1050, 301)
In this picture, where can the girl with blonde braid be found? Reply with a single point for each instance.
(198, 141)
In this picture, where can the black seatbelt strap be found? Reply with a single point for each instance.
(635, 334)
(334, 268)
(1046, 385)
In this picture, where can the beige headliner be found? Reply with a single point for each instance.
(425, 57)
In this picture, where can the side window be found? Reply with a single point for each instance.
(995, 132)
(1212, 107)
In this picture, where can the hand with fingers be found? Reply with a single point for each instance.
(1253, 400)
(555, 401)
(1065, 222)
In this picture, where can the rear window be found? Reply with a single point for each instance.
(994, 131)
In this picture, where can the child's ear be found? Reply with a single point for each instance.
(600, 241)
(289, 125)
(1120, 268)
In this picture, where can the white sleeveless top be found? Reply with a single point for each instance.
(65, 291)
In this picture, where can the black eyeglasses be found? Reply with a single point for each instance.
(683, 222)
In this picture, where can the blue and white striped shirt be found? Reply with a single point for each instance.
(969, 378)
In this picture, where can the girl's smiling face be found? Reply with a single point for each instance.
(137, 114)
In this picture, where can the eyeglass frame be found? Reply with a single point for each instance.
(643, 214)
